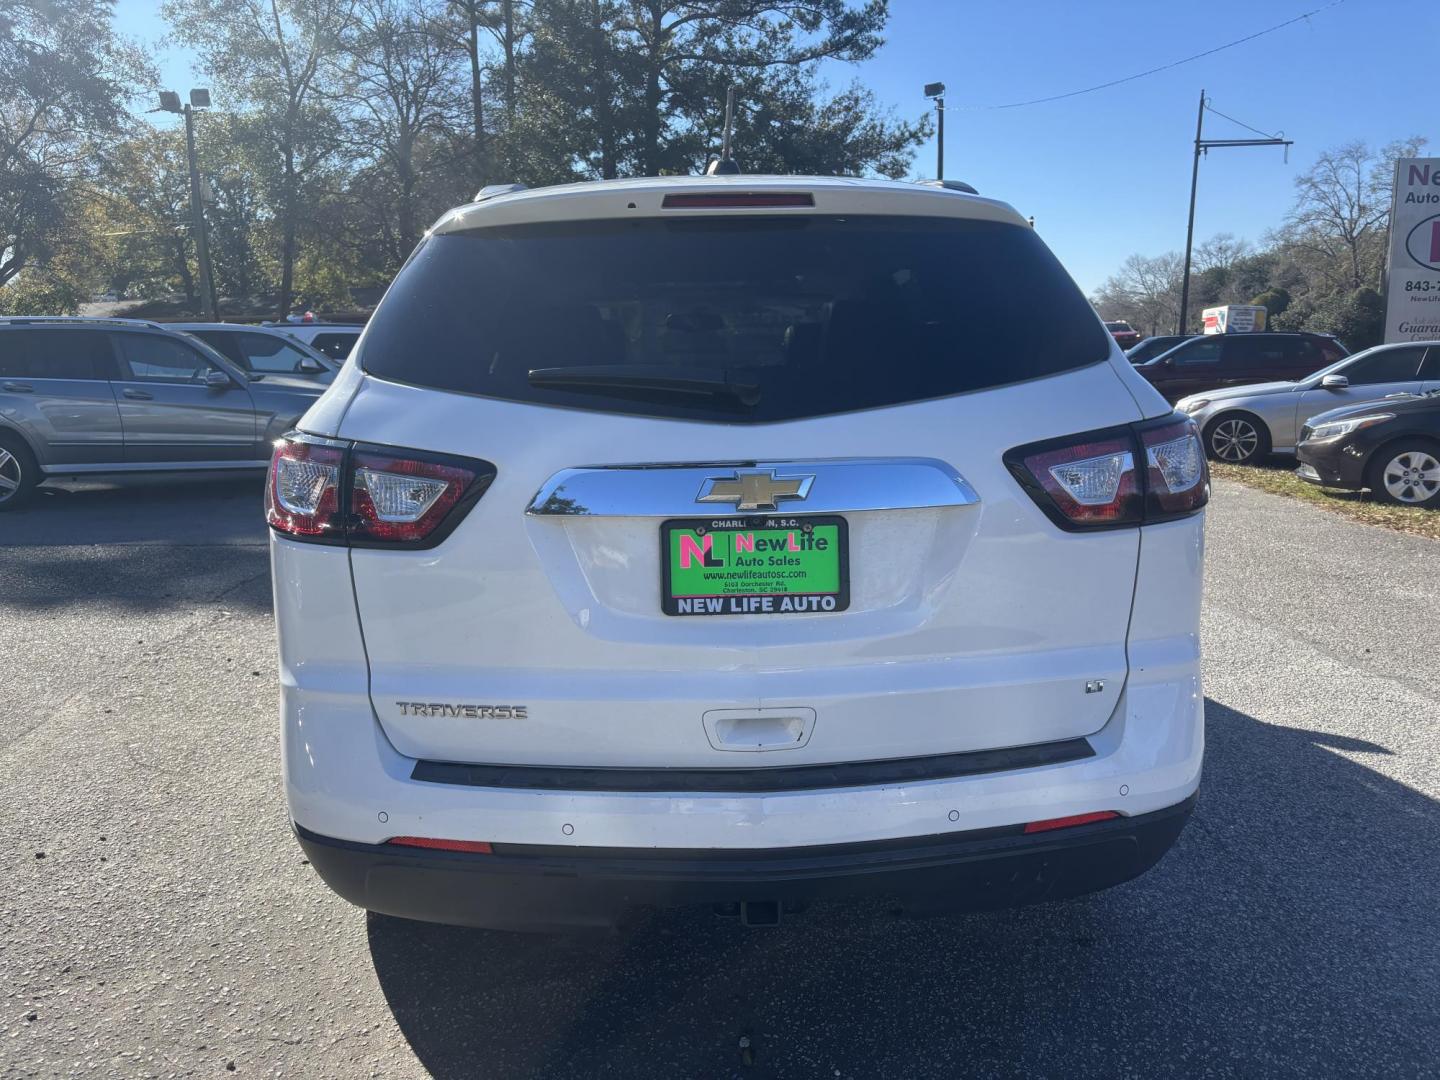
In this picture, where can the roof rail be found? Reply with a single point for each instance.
(103, 320)
(489, 191)
(950, 185)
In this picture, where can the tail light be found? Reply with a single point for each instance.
(1132, 475)
(333, 492)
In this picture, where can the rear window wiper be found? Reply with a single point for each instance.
(706, 382)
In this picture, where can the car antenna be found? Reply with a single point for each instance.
(725, 165)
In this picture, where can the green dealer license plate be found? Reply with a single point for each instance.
(754, 565)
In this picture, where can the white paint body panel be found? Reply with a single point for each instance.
(342, 773)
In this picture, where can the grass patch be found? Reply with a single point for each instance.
(1280, 479)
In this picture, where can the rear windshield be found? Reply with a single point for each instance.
(741, 319)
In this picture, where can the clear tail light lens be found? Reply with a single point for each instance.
(402, 499)
(329, 491)
(1177, 478)
(1084, 482)
(302, 493)
(1091, 481)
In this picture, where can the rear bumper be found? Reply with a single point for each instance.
(527, 887)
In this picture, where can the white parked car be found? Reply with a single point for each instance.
(334, 340)
(735, 540)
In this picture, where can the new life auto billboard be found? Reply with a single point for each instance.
(1412, 310)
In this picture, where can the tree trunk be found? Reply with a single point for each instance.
(507, 9)
(287, 245)
(477, 100)
(650, 134)
(409, 233)
(182, 270)
(604, 103)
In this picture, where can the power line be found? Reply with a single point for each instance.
(1247, 127)
(1162, 67)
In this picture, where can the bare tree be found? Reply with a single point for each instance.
(400, 91)
(1342, 208)
(1145, 291)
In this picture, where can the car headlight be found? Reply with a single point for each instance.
(1190, 406)
(1336, 429)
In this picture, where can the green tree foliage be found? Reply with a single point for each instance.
(65, 80)
(1274, 300)
(276, 58)
(343, 128)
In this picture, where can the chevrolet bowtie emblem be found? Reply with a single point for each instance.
(754, 490)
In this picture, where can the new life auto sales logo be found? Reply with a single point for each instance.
(1423, 243)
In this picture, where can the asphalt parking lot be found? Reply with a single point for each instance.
(157, 919)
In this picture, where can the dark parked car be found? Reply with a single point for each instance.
(1391, 446)
(1215, 360)
(1124, 334)
(259, 350)
(1152, 347)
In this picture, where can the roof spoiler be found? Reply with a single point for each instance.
(950, 185)
(489, 191)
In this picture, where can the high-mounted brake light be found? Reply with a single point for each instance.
(736, 199)
(1096, 480)
(475, 847)
(333, 492)
(1066, 822)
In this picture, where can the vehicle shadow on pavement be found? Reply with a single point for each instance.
(143, 546)
(1291, 932)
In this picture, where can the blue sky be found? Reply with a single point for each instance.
(1108, 173)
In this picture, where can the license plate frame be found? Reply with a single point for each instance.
(760, 600)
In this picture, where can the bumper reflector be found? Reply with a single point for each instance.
(1066, 822)
(475, 847)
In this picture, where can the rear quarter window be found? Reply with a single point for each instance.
(815, 314)
(58, 353)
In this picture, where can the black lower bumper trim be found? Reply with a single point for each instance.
(529, 888)
(775, 778)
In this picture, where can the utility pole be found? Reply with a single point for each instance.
(199, 99)
(936, 90)
(1204, 146)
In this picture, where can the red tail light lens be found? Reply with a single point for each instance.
(1133, 475)
(302, 493)
(328, 491)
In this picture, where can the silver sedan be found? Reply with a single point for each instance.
(1242, 424)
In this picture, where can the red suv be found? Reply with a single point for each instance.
(1124, 334)
(1215, 360)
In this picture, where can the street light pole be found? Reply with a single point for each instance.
(197, 211)
(937, 91)
(199, 99)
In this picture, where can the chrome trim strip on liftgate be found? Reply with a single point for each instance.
(843, 485)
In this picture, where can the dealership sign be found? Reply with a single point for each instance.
(1412, 309)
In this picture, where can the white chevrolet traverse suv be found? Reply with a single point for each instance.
(739, 541)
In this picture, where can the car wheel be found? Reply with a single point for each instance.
(1407, 473)
(18, 472)
(1237, 438)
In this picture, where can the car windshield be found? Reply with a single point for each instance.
(751, 319)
